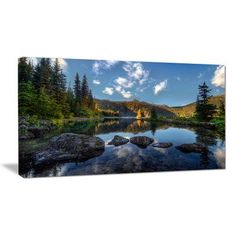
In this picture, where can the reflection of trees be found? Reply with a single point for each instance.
(137, 126)
(153, 127)
(208, 138)
(113, 125)
(139, 122)
(83, 127)
(128, 125)
(204, 159)
(205, 136)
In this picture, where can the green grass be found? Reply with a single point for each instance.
(220, 123)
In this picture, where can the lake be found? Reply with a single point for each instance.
(129, 158)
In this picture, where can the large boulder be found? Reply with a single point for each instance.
(141, 141)
(192, 147)
(118, 140)
(162, 145)
(70, 146)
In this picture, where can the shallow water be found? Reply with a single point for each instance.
(130, 158)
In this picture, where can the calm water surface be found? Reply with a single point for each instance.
(129, 158)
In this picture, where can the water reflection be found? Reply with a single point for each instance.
(130, 158)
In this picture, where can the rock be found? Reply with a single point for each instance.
(26, 136)
(192, 147)
(118, 140)
(141, 141)
(70, 146)
(23, 127)
(162, 145)
(52, 155)
(77, 143)
(23, 121)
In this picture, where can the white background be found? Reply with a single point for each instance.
(174, 203)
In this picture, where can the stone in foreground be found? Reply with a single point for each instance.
(118, 140)
(141, 141)
(162, 145)
(69, 146)
(192, 147)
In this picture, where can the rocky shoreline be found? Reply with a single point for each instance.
(78, 147)
(27, 130)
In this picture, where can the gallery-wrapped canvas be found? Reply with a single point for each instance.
(87, 117)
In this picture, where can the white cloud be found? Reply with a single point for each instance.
(96, 67)
(118, 88)
(200, 75)
(62, 62)
(219, 77)
(124, 82)
(123, 92)
(135, 70)
(178, 78)
(99, 66)
(111, 63)
(142, 81)
(96, 81)
(159, 87)
(126, 94)
(108, 91)
(220, 157)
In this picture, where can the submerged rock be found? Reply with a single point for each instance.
(118, 140)
(141, 141)
(192, 147)
(69, 146)
(162, 145)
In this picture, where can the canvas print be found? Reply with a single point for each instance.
(87, 117)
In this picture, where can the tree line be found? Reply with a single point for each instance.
(43, 92)
(204, 111)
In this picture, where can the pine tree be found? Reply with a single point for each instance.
(153, 115)
(36, 77)
(45, 74)
(77, 93)
(204, 110)
(91, 103)
(26, 92)
(84, 92)
(222, 109)
(25, 70)
(70, 99)
(77, 88)
(58, 82)
(27, 99)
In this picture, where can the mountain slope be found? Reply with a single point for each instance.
(130, 108)
(188, 110)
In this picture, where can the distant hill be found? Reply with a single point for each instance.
(188, 110)
(130, 108)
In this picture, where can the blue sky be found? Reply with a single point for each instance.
(173, 84)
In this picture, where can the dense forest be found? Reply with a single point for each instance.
(43, 93)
